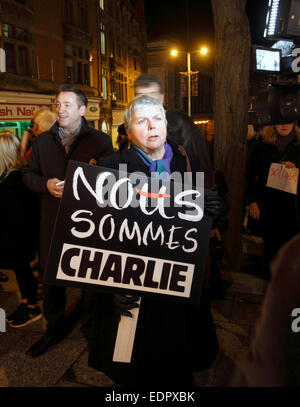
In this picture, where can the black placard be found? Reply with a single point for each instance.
(118, 231)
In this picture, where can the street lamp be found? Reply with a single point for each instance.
(174, 53)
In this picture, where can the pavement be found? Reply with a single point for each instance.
(66, 363)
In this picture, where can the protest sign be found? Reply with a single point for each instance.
(126, 232)
(283, 178)
(111, 233)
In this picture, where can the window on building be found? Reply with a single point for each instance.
(79, 72)
(68, 12)
(10, 58)
(111, 7)
(86, 74)
(77, 65)
(134, 63)
(19, 56)
(102, 39)
(70, 74)
(111, 46)
(101, 4)
(83, 17)
(121, 87)
(118, 48)
(104, 87)
(21, 34)
(23, 61)
(8, 30)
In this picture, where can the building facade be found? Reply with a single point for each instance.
(96, 45)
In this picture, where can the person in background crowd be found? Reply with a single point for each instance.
(122, 140)
(209, 133)
(253, 226)
(151, 85)
(19, 219)
(28, 136)
(43, 121)
(273, 358)
(172, 339)
(277, 210)
(70, 138)
(183, 131)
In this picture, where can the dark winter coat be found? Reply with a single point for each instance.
(19, 222)
(48, 159)
(272, 202)
(279, 210)
(172, 339)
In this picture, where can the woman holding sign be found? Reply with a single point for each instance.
(272, 186)
(172, 339)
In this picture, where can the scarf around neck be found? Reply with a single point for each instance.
(160, 167)
(67, 138)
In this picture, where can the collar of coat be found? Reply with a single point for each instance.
(135, 163)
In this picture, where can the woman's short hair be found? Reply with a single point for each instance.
(269, 134)
(10, 158)
(138, 103)
(45, 120)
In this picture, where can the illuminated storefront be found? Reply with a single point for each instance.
(17, 109)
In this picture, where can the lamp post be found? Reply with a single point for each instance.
(174, 53)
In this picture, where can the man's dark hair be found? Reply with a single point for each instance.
(146, 80)
(82, 99)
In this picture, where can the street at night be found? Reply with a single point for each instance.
(149, 198)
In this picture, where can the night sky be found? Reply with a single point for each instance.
(171, 19)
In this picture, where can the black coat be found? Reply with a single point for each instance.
(279, 210)
(19, 220)
(172, 339)
(48, 159)
(272, 202)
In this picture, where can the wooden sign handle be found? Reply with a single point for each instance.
(125, 336)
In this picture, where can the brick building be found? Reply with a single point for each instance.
(97, 45)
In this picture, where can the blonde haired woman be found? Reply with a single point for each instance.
(277, 210)
(19, 219)
(43, 120)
